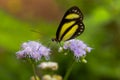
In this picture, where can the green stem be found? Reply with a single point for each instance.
(35, 76)
(69, 71)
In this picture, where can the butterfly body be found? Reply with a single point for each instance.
(71, 25)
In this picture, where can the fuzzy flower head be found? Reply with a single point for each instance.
(33, 78)
(53, 77)
(78, 47)
(33, 50)
(48, 65)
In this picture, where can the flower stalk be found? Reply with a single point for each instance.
(33, 67)
(69, 71)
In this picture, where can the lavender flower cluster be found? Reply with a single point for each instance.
(33, 50)
(78, 47)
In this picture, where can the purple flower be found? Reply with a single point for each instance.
(78, 47)
(33, 50)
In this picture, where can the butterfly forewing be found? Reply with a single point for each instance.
(71, 25)
(73, 13)
(69, 33)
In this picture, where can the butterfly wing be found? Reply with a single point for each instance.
(71, 25)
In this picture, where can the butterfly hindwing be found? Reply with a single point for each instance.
(71, 25)
(79, 30)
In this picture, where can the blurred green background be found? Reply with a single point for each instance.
(18, 19)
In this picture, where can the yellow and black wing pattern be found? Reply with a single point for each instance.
(71, 25)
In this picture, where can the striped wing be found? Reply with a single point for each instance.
(71, 25)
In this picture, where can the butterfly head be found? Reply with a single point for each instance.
(55, 40)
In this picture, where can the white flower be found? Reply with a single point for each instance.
(54, 77)
(48, 65)
(47, 77)
(60, 49)
(33, 78)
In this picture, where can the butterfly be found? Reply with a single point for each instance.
(71, 25)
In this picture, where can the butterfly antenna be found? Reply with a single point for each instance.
(34, 31)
